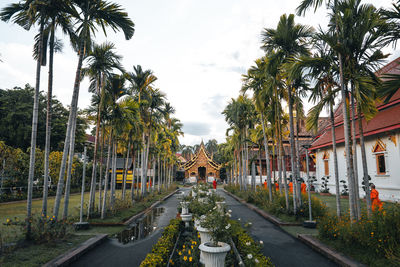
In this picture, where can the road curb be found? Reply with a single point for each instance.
(264, 214)
(73, 254)
(328, 252)
(134, 217)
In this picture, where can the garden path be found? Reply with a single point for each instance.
(113, 253)
(282, 248)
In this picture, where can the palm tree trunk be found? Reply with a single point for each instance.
(298, 164)
(279, 166)
(292, 149)
(285, 178)
(48, 121)
(114, 174)
(259, 162)
(96, 143)
(125, 171)
(69, 132)
(253, 175)
(267, 158)
(335, 161)
(35, 114)
(133, 177)
(107, 173)
(355, 165)
(137, 172)
(83, 185)
(101, 168)
(154, 174)
(364, 162)
(143, 179)
(69, 172)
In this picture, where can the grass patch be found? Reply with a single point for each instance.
(36, 255)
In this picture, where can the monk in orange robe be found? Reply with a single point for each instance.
(376, 202)
(215, 184)
(291, 187)
(303, 187)
(265, 184)
(276, 186)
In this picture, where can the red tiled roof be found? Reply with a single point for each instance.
(386, 119)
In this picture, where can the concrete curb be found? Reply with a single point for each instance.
(264, 214)
(331, 254)
(134, 217)
(73, 254)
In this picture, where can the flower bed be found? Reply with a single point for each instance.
(374, 241)
(163, 248)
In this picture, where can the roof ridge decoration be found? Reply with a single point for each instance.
(192, 161)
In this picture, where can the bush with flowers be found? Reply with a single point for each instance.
(218, 223)
(163, 248)
(250, 250)
(377, 236)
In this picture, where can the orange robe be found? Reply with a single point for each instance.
(276, 186)
(376, 202)
(291, 187)
(265, 185)
(303, 187)
(215, 184)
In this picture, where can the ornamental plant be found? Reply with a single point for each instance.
(324, 185)
(219, 225)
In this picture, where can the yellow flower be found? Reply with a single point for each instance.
(180, 253)
(8, 220)
(183, 246)
(185, 258)
(189, 252)
(190, 259)
(191, 247)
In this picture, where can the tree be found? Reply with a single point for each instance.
(92, 13)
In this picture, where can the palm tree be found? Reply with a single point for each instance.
(101, 61)
(26, 14)
(92, 13)
(288, 40)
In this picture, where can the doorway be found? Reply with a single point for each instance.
(202, 173)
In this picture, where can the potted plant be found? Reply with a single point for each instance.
(345, 191)
(325, 189)
(214, 252)
(312, 181)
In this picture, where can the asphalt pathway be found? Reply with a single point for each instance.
(282, 248)
(113, 253)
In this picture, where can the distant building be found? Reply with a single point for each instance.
(381, 144)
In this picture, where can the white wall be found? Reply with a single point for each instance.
(387, 185)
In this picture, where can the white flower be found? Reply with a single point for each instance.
(261, 242)
(248, 243)
(250, 223)
(214, 207)
(257, 261)
(239, 219)
(249, 256)
(202, 217)
(228, 226)
(230, 211)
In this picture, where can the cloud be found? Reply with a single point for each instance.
(196, 128)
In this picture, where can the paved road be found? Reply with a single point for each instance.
(113, 253)
(282, 248)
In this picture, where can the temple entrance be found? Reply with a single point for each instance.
(202, 173)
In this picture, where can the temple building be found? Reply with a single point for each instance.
(381, 135)
(201, 166)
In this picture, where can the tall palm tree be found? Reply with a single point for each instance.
(288, 40)
(93, 14)
(101, 61)
(26, 14)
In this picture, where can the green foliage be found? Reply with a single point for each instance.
(162, 249)
(16, 112)
(325, 188)
(188, 252)
(378, 235)
(250, 250)
(218, 223)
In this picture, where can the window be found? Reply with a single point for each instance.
(380, 164)
(379, 150)
(325, 158)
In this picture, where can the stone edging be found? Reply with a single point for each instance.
(134, 217)
(74, 253)
(323, 249)
(264, 214)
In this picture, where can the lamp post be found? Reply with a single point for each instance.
(310, 223)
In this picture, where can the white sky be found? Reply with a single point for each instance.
(198, 49)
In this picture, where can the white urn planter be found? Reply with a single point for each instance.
(205, 237)
(214, 256)
(186, 218)
(185, 207)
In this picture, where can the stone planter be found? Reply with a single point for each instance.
(185, 207)
(214, 256)
(205, 237)
(186, 218)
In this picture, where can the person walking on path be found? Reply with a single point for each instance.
(265, 184)
(215, 184)
(376, 202)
